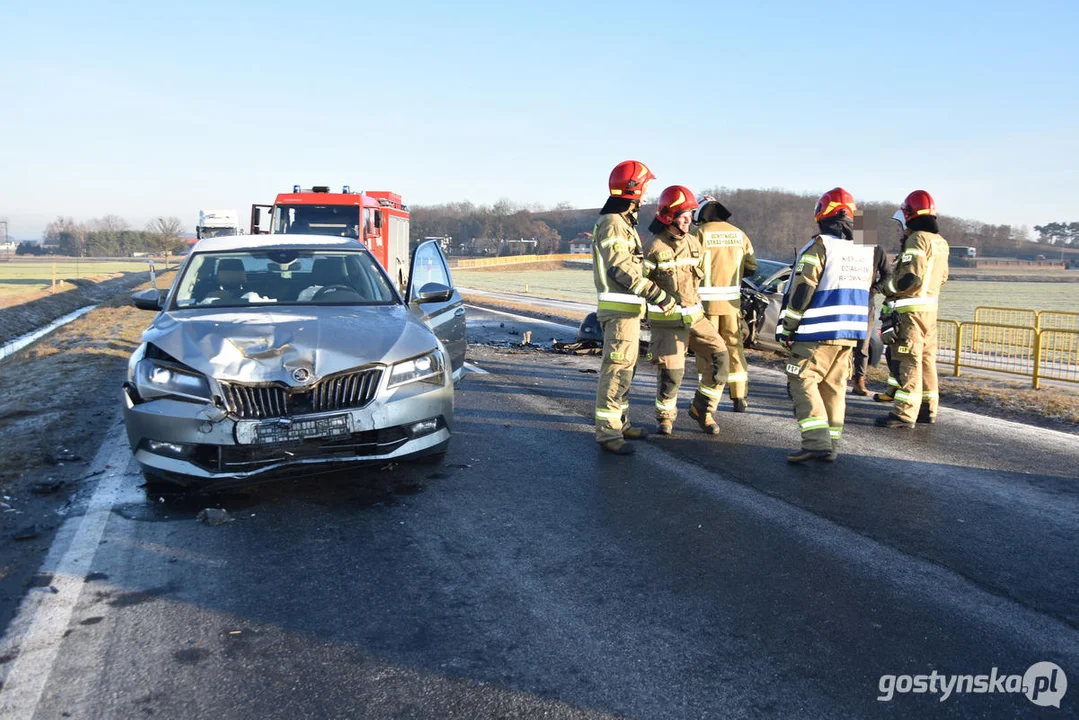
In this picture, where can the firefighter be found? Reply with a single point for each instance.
(675, 262)
(728, 257)
(913, 291)
(826, 313)
(622, 293)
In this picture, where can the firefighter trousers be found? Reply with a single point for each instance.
(668, 351)
(621, 343)
(916, 349)
(817, 380)
(729, 327)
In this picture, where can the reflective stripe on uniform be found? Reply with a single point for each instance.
(623, 302)
(907, 398)
(929, 396)
(730, 292)
(605, 414)
(892, 381)
(688, 261)
(741, 376)
(813, 423)
(836, 432)
(716, 393)
(664, 405)
(648, 264)
(809, 260)
(615, 241)
(788, 313)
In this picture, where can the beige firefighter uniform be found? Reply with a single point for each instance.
(822, 317)
(728, 257)
(913, 292)
(622, 293)
(676, 266)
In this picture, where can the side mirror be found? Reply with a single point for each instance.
(434, 292)
(151, 299)
(378, 218)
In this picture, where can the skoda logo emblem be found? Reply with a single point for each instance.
(301, 375)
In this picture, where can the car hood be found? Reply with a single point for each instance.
(266, 345)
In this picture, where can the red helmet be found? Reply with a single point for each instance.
(834, 203)
(628, 179)
(674, 200)
(918, 204)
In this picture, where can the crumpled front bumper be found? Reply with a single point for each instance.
(216, 448)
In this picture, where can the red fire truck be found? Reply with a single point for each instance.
(375, 217)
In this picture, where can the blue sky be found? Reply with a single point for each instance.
(143, 108)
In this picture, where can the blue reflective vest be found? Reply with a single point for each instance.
(839, 308)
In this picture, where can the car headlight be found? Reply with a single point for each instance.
(158, 378)
(425, 368)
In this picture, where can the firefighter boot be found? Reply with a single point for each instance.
(924, 416)
(635, 433)
(884, 397)
(664, 427)
(699, 412)
(800, 456)
(859, 386)
(618, 447)
(894, 422)
(739, 405)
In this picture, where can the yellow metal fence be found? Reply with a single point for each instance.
(1045, 347)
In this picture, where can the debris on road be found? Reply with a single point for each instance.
(213, 516)
(46, 487)
(27, 533)
(526, 337)
(61, 456)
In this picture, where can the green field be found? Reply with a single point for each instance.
(21, 276)
(957, 302)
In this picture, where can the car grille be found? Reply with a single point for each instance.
(347, 391)
(247, 458)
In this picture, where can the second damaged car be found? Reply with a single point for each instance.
(273, 358)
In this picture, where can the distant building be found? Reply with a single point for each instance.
(582, 244)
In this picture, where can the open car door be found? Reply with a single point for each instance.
(433, 297)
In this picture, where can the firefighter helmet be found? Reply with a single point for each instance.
(918, 204)
(702, 200)
(674, 200)
(834, 203)
(628, 179)
(590, 330)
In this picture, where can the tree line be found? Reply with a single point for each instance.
(109, 236)
(777, 221)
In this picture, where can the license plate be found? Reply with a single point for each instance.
(276, 432)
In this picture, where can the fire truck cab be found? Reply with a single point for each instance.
(375, 217)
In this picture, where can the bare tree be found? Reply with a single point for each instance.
(167, 234)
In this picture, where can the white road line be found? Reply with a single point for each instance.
(522, 318)
(37, 631)
(476, 369)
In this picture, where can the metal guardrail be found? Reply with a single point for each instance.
(1050, 353)
(1057, 320)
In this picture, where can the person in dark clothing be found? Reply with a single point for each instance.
(860, 357)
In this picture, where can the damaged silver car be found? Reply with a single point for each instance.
(272, 357)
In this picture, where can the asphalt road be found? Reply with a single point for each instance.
(531, 575)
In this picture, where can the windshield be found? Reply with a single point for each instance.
(209, 232)
(283, 277)
(765, 270)
(336, 220)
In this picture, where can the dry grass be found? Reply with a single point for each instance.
(59, 392)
